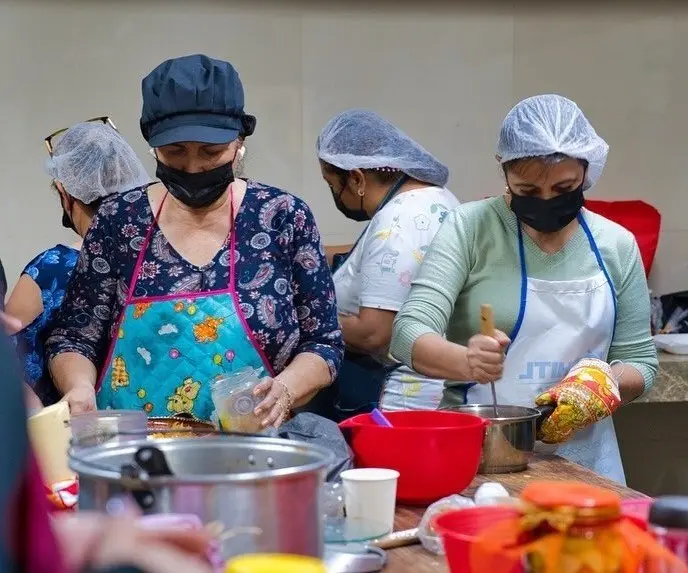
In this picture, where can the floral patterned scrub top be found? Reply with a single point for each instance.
(380, 270)
(51, 271)
(284, 283)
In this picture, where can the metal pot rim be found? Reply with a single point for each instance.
(79, 462)
(527, 413)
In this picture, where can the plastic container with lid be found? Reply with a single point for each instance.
(234, 401)
(584, 514)
(112, 426)
(266, 563)
(669, 524)
(564, 527)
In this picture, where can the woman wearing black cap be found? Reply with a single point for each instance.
(201, 275)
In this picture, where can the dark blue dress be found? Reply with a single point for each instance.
(51, 271)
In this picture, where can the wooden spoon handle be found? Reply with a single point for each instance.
(487, 326)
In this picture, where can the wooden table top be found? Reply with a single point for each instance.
(414, 559)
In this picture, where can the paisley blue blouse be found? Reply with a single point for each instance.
(284, 283)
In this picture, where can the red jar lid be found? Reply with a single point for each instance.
(550, 494)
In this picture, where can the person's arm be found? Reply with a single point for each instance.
(321, 348)
(26, 301)
(417, 336)
(633, 354)
(332, 250)
(368, 332)
(33, 402)
(78, 342)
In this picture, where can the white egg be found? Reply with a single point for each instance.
(490, 493)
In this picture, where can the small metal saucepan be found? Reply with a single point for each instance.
(510, 437)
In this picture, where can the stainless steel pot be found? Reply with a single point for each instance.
(266, 490)
(510, 437)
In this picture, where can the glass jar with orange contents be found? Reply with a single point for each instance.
(573, 524)
(567, 527)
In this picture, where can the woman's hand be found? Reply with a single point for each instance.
(485, 356)
(276, 404)
(100, 541)
(81, 398)
(587, 394)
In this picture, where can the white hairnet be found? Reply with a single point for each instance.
(359, 139)
(548, 124)
(92, 160)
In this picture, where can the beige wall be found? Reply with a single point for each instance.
(446, 76)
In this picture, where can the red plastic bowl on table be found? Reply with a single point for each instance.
(436, 453)
(460, 528)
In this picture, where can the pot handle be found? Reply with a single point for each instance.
(545, 412)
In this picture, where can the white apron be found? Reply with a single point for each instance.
(559, 323)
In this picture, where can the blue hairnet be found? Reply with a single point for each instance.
(92, 160)
(359, 139)
(548, 124)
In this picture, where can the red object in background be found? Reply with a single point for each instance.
(436, 453)
(460, 528)
(640, 218)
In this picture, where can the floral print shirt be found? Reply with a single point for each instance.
(51, 271)
(283, 282)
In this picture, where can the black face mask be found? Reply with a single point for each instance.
(196, 190)
(360, 214)
(548, 215)
(67, 222)
(353, 214)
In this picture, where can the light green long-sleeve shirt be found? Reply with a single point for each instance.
(474, 260)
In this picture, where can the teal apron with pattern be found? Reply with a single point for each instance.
(167, 349)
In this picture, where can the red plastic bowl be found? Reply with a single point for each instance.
(638, 508)
(460, 528)
(436, 453)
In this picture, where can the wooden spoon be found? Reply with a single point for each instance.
(487, 328)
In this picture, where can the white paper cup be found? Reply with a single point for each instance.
(371, 494)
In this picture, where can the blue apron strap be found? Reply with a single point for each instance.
(598, 256)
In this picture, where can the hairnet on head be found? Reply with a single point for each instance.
(548, 124)
(359, 139)
(92, 160)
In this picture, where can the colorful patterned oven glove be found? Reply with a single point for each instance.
(587, 394)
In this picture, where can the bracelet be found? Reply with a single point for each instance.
(290, 400)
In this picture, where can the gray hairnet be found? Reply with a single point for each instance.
(92, 160)
(548, 124)
(359, 139)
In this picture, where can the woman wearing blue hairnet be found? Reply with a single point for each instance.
(88, 163)
(566, 284)
(378, 174)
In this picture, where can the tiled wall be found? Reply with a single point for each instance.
(445, 75)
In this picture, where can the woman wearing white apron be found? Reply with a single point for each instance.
(566, 284)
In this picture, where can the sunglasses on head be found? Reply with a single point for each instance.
(51, 140)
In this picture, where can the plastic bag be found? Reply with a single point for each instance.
(426, 532)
